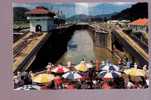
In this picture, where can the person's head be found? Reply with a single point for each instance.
(69, 63)
(91, 61)
(30, 72)
(135, 65)
(83, 59)
(49, 63)
(103, 62)
(145, 67)
(18, 73)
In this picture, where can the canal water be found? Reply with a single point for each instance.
(63, 47)
(81, 46)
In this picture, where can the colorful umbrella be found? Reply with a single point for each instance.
(60, 69)
(109, 74)
(72, 75)
(81, 67)
(109, 67)
(43, 78)
(135, 72)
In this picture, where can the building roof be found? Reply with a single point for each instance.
(40, 11)
(140, 21)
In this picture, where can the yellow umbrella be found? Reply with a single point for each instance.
(43, 78)
(81, 67)
(135, 72)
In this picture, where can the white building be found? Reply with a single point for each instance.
(124, 23)
(139, 25)
(41, 19)
(113, 22)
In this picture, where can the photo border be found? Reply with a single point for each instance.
(7, 92)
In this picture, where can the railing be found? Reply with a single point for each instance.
(140, 42)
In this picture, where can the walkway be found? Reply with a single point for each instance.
(34, 42)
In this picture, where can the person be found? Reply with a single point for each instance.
(103, 63)
(51, 85)
(97, 62)
(106, 85)
(128, 64)
(135, 65)
(16, 81)
(58, 82)
(70, 86)
(82, 61)
(119, 61)
(145, 68)
(48, 67)
(130, 85)
(26, 78)
(89, 65)
(31, 74)
(69, 64)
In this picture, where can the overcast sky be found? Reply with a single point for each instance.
(70, 9)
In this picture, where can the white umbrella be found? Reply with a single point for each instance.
(109, 74)
(110, 67)
(72, 75)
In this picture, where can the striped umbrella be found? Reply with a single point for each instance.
(110, 67)
(109, 74)
(71, 75)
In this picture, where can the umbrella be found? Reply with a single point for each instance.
(109, 74)
(43, 78)
(81, 67)
(60, 69)
(29, 87)
(72, 75)
(110, 67)
(135, 72)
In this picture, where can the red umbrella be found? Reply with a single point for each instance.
(60, 69)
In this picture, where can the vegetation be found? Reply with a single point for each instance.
(20, 20)
(139, 10)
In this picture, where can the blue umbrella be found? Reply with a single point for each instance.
(109, 74)
(71, 75)
(109, 67)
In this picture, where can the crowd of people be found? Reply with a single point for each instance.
(89, 79)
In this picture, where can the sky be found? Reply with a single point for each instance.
(70, 9)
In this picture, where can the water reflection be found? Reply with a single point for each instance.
(81, 46)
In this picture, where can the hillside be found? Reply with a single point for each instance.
(85, 18)
(19, 13)
(139, 10)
